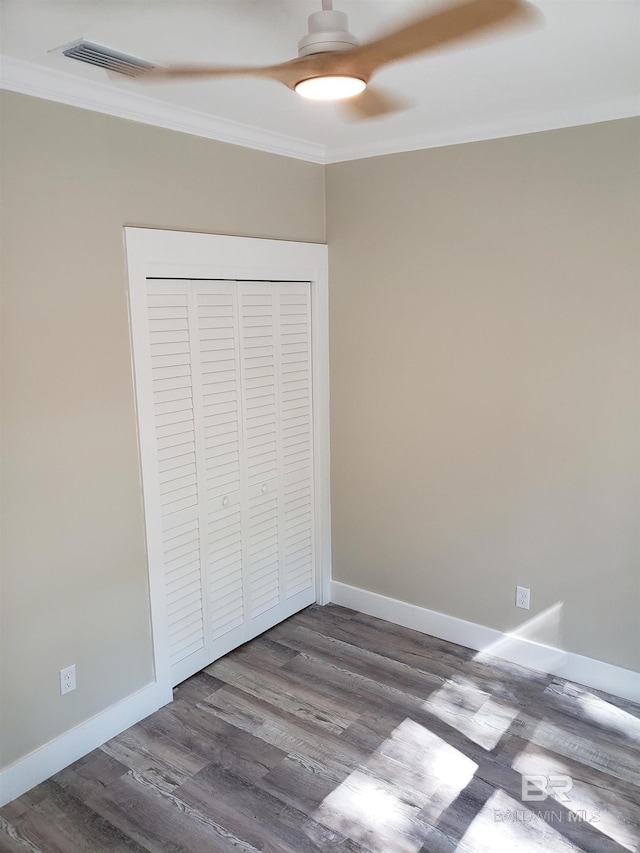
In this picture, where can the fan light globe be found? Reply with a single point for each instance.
(330, 88)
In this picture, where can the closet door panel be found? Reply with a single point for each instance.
(262, 538)
(258, 365)
(226, 582)
(173, 405)
(297, 547)
(298, 537)
(260, 427)
(221, 435)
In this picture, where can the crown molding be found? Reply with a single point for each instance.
(30, 79)
(52, 85)
(516, 126)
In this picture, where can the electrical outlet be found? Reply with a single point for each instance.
(67, 679)
(523, 595)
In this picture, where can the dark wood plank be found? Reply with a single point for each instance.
(60, 823)
(161, 821)
(206, 735)
(162, 761)
(429, 654)
(283, 730)
(363, 662)
(264, 653)
(197, 688)
(253, 814)
(280, 689)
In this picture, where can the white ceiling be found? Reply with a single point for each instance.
(580, 66)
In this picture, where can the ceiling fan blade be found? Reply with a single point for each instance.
(188, 72)
(437, 29)
(374, 102)
(288, 73)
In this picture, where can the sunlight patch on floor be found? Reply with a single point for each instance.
(414, 747)
(604, 809)
(370, 812)
(585, 749)
(378, 805)
(480, 717)
(604, 713)
(503, 824)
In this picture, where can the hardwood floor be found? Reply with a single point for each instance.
(339, 732)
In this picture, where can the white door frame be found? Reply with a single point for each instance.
(153, 253)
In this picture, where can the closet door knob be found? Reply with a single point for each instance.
(225, 501)
(264, 487)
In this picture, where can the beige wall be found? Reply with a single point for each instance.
(74, 586)
(485, 345)
(485, 369)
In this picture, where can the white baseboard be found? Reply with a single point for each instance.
(19, 777)
(583, 670)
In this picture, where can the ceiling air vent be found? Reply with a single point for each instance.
(105, 57)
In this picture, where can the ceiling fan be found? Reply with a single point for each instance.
(331, 64)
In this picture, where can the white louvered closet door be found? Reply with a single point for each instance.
(171, 376)
(231, 366)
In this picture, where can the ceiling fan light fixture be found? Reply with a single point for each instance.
(330, 87)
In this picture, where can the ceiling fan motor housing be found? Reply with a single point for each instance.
(328, 30)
